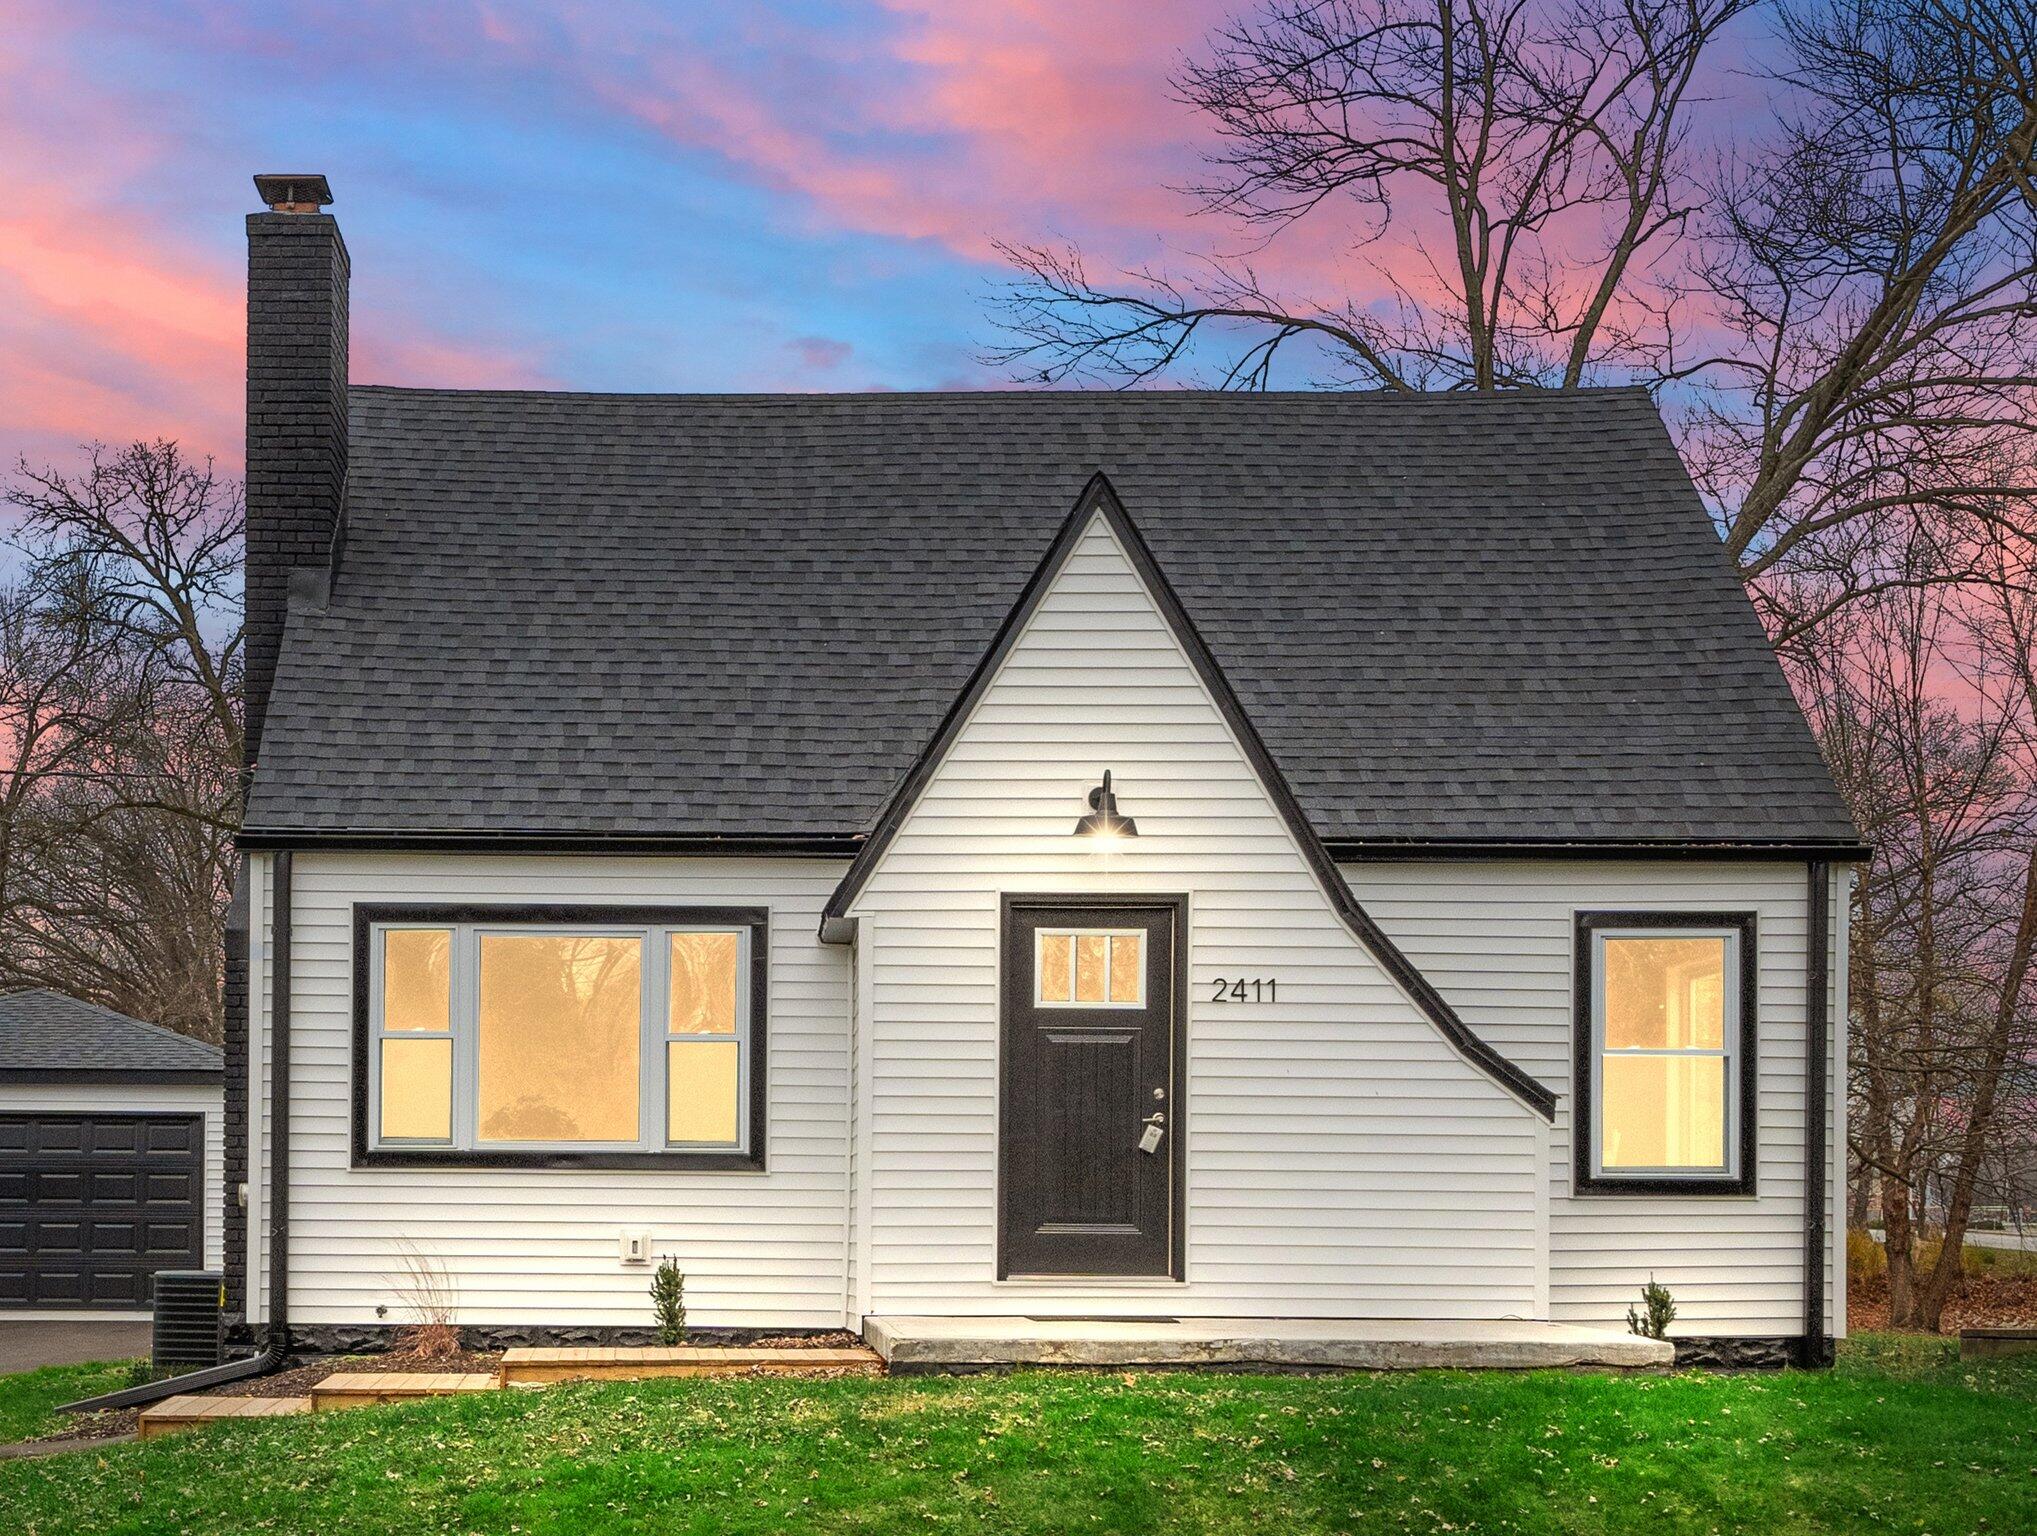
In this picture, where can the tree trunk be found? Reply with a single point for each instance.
(1945, 1277)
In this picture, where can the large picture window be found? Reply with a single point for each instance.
(560, 1035)
(1665, 1052)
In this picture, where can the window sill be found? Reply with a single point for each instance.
(451, 1159)
(1692, 1188)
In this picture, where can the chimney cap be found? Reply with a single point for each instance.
(293, 194)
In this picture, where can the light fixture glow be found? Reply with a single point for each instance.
(1103, 823)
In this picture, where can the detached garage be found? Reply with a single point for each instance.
(109, 1156)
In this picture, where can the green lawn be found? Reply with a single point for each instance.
(28, 1401)
(1900, 1438)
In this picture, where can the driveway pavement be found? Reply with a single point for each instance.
(25, 1345)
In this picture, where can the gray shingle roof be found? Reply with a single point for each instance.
(1451, 617)
(48, 1033)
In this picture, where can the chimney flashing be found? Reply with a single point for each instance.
(310, 586)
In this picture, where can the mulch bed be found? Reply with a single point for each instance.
(1984, 1301)
(117, 1425)
(841, 1340)
(300, 1379)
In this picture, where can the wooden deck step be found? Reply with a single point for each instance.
(521, 1366)
(188, 1411)
(356, 1389)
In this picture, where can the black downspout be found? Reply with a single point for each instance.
(277, 1349)
(279, 1111)
(1815, 1348)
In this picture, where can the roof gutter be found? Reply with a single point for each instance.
(277, 1349)
(806, 845)
(1354, 850)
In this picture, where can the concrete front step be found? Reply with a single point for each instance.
(978, 1343)
(189, 1411)
(357, 1389)
(522, 1366)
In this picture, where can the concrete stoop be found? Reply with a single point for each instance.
(981, 1343)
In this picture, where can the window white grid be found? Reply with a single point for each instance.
(654, 982)
(1727, 1053)
(1074, 936)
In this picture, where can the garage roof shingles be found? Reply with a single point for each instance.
(47, 1032)
(1451, 617)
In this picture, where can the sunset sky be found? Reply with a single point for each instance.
(614, 194)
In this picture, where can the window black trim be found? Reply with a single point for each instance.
(1584, 1181)
(756, 919)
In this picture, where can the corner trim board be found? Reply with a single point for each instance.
(1100, 498)
(1817, 1342)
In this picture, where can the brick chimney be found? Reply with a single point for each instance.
(297, 411)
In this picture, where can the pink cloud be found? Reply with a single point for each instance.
(116, 323)
(968, 122)
(821, 353)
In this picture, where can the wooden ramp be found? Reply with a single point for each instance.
(357, 1389)
(188, 1412)
(526, 1366)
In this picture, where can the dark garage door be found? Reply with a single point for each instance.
(91, 1206)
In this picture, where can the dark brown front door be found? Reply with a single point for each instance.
(1089, 1144)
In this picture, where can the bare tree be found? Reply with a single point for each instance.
(120, 721)
(1514, 179)
(154, 543)
(1874, 268)
(1526, 156)
(1926, 705)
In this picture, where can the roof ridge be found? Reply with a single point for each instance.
(1398, 398)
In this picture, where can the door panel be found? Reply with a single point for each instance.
(1089, 1061)
(91, 1206)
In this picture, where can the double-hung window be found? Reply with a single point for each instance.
(564, 1035)
(1665, 1076)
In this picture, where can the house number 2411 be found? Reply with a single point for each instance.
(1240, 989)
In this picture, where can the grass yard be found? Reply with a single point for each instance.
(1899, 1438)
(28, 1401)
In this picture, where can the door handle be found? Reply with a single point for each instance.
(1156, 1127)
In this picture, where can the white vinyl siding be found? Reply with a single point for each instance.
(539, 1246)
(1497, 939)
(1342, 1159)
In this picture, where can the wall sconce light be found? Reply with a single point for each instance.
(1103, 821)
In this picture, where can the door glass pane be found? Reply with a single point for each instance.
(417, 979)
(704, 967)
(1089, 967)
(1663, 1112)
(417, 1089)
(1127, 967)
(558, 1037)
(702, 1081)
(1665, 994)
(1056, 959)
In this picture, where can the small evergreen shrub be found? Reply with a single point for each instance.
(668, 1301)
(1661, 1312)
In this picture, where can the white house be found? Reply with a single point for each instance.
(111, 1158)
(1293, 856)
